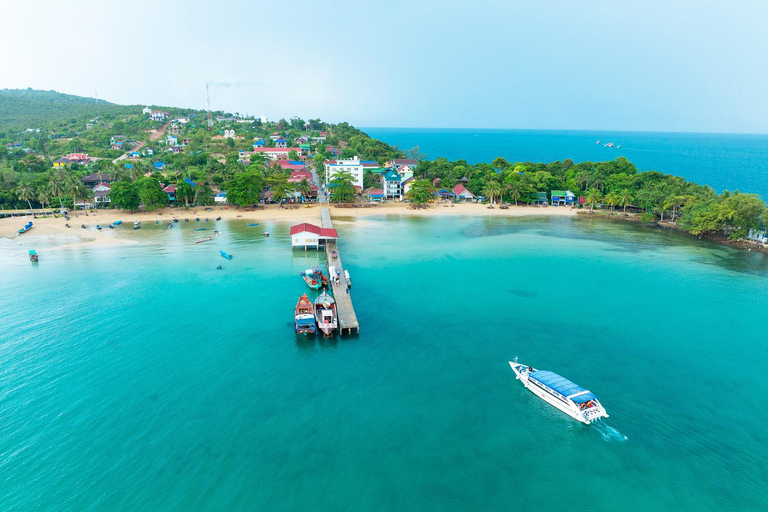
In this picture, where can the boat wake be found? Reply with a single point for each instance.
(608, 432)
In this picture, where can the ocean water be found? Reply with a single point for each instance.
(723, 161)
(141, 378)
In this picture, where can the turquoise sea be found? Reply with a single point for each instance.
(723, 161)
(139, 377)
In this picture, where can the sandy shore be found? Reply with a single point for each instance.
(56, 227)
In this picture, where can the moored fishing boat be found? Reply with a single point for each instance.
(225, 254)
(304, 316)
(562, 394)
(206, 239)
(33, 256)
(117, 222)
(313, 279)
(325, 314)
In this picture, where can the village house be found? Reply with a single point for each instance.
(275, 136)
(229, 134)
(275, 153)
(244, 157)
(406, 171)
(293, 165)
(281, 143)
(101, 194)
(375, 195)
(539, 199)
(96, 178)
(170, 191)
(258, 143)
(407, 186)
(393, 185)
(158, 115)
(305, 149)
(563, 198)
(79, 158)
(397, 163)
(462, 194)
(310, 236)
(146, 110)
(62, 162)
(134, 154)
(352, 165)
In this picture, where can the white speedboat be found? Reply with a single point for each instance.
(575, 401)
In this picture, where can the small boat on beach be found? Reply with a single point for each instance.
(111, 226)
(218, 218)
(304, 316)
(175, 220)
(325, 314)
(135, 223)
(226, 255)
(136, 226)
(33, 256)
(253, 225)
(206, 239)
(26, 228)
(562, 394)
(117, 222)
(98, 226)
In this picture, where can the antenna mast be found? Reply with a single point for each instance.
(208, 97)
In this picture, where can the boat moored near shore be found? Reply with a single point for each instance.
(325, 313)
(304, 316)
(562, 394)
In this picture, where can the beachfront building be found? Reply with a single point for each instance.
(758, 235)
(462, 194)
(563, 198)
(405, 172)
(393, 185)
(170, 191)
(310, 236)
(375, 195)
(101, 194)
(539, 199)
(220, 198)
(352, 165)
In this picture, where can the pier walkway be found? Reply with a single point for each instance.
(347, 317)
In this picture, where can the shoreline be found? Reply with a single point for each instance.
(56, 227)
(743, 244)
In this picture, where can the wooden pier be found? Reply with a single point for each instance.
(346, 312)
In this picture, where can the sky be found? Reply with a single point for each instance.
(645, 65)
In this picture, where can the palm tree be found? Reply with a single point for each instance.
(612, 199)
(305, 187)
(597, 183)
(625, 198)
(56, 185)
(492, 189)
(593, 198)
(583, 179)
(669, 202)
(516, 190)
(44, 197)
(25, 193)
(78, 190)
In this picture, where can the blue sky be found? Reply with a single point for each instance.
(642, 65)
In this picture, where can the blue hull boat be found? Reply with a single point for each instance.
(226, 255)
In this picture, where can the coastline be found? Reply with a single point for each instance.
(50, 226)
(747, 245)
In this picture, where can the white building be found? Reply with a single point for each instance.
(308, 235)
(146, 110)
(229, 134)
(352, 166)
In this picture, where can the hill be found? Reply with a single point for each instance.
(27, 108)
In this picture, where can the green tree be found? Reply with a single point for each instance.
(516, 190)
(25, 193)
(124, 196)
(612, 199)
(151, 193)
(305, 188)
(593, 198)
(492, 190)
(184, 191)
(230, 142)
(244, 189)
(343, 188)
(625, 198)
(420, 193)
(500, 164)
